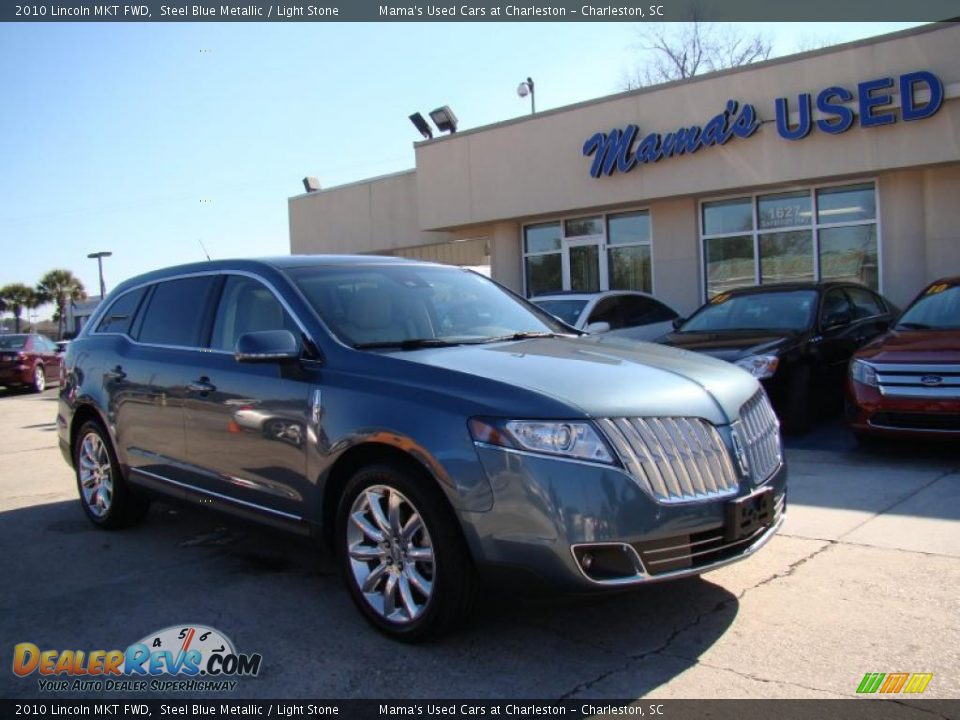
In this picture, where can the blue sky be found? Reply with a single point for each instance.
(145, 139)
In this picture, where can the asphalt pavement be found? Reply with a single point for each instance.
(862, 578)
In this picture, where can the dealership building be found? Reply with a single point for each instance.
(841, 163)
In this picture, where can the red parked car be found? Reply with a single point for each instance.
(31, 360)
(907, 382)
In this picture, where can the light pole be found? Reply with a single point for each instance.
(99, 257)
(526, 88)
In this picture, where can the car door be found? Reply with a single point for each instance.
(49, 355)
(870, 315)
(144, 355)
(837, 338)
(246, 423)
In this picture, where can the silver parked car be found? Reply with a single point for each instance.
(633, 315)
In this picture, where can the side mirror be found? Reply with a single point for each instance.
(837, 319)
(677, 322)
(267, 346)
(595, 328)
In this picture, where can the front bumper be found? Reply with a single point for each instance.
(871, 412)
(548, 513)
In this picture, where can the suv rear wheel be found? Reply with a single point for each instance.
(403, 558)
(105, 496)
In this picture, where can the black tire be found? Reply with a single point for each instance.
(39, 382)
(126, 506)
(798, 406)
(454, 582)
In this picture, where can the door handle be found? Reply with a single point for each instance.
(116, 374)
(201, 385)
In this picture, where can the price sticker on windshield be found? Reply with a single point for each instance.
(719, 299)
(938, 288)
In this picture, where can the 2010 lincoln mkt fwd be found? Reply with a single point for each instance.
(434, 428)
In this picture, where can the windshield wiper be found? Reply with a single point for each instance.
(913, 326)
(411, 344)
(527, 335)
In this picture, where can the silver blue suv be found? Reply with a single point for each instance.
(433, 427)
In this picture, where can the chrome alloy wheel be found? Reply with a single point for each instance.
(39, 379)
(96, 475)
(390, 552)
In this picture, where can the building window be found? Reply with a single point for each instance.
(827, 233)
(543, 258)
(589, 254)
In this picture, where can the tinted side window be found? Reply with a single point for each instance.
(865, 304)
(176, 313)
(46, 344)
(247, 306)
(835, 302)
(645, 311)
(119, 316)
(608, 310)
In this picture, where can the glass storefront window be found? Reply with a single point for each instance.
(542, 238)
(784, 210)
(730, 263)
(847, 203)
(786, 257)
(728, 216)
(580, 227)
(630, 268)
(585, 268)
(850, 253)
(628, 228)
(544, 274)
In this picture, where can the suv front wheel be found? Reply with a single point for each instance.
(105, 496)
(403, 558)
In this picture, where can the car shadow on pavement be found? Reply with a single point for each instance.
(70, 585)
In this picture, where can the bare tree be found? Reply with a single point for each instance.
(681, 50)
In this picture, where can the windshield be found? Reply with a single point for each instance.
(567, 310)
(779, 311)
(12, 342)
(410, 305)
(937, 309)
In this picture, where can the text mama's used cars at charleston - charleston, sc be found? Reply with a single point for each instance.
(907, 382)
(431, 447)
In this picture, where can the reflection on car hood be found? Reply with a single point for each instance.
(730, 346)
(606, 376)
(914, 346)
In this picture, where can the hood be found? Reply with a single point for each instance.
(605, 376)
(914, 346)
(732, 345)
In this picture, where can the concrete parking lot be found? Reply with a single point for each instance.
(862, 578)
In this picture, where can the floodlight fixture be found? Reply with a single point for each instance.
(421, 125)
(444, 119)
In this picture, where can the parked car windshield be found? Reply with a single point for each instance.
(789, 310)
(567, 310)
(937, 309)
(12, 342)
(397, 305)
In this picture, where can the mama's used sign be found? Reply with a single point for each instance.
(623, 149)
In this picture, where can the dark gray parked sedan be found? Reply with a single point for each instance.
(433, 427)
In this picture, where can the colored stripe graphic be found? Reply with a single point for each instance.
(870, 682)
(918, 682)
(894, 682)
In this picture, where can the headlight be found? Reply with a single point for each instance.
(760, 366)
(578, 440)
(863, 373)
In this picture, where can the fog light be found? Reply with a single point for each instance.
(587, 561)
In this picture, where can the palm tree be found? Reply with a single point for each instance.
(59, 286)
(16, 297)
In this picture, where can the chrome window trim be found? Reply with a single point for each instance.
(97, 316)
(194, 488)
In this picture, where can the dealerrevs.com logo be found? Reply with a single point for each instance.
(186, 658)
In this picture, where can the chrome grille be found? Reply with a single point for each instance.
(941, 382)
(675, 460)
(759, 432)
